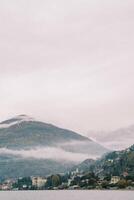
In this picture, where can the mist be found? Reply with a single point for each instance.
(56, 154)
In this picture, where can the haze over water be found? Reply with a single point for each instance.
(68, 195)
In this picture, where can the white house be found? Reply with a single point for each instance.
(38, 181)
(115, 179)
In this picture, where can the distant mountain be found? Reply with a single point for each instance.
(116, 140)
(30, 147)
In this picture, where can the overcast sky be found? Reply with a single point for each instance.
(68, 62)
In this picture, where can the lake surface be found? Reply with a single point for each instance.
(67, 195)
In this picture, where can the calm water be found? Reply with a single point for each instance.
(68, 195)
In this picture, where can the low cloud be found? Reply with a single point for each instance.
(118, 145)
(47, 153)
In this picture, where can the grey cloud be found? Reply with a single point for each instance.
(47, 153)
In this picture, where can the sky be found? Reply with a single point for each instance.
(69, 63)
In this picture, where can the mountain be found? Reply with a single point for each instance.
(84, 166)
(24, 132)
(29, 147)
(116, 163)
(117, 140)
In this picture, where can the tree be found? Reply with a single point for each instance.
(122, 184)
(24, 181)
(104, 184)
(56, 180)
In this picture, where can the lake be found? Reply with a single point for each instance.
(67, 195)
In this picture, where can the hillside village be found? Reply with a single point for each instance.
(73, 180)
(114, 171)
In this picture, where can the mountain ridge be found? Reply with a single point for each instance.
(27, 141)
(118, 139)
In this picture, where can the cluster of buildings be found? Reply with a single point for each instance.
(73, 180)
(7, 184)
(17, 184)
